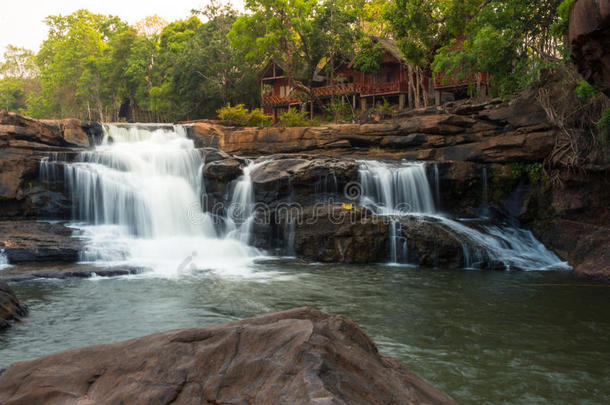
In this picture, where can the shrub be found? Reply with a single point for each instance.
(293, 118)
(236, 115)
(258, 118)
(585, 90)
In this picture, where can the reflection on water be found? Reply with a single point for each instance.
(481, 337)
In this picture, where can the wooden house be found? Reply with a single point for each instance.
(396, 81)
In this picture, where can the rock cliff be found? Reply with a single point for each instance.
(589, 38)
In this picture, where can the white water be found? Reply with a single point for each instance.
(3, 260)
(398, 190)
(240, 214)
(137, 199)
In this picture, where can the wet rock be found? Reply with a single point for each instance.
(586, 246)
(64, 271)
(589, 38)
(10, 306)
(35, 242)
(431, 244)
(299, 356)
(330, 233)
(302, 178)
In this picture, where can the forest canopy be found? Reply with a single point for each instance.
(99, 67)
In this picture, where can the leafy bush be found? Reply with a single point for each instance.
(293, 118)
(258, 118)
(237, 115)
(585, 90)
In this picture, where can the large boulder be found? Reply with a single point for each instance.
(589, 38)
(10, 306)
(299, 356)
(35, 242)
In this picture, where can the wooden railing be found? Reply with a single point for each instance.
(385, 88)
(270, 100)
(442, 82)
(335, 90)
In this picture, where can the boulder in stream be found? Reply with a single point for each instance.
(299, 356)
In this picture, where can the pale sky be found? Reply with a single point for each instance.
(21, 21)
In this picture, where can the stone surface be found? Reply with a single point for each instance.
(35, 242)
(589, 38)
(26, 272)
(299, 356)
(10, 306)
(490, 132)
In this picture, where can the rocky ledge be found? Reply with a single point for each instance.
(10, 306)
(299, 356)
(490, 132)
(36, 242)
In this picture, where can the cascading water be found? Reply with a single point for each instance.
(137, 198)
(240, 215)
(403, 189)
(3, 260)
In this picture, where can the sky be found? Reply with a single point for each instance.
(21, 21)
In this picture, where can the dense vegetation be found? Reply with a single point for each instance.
(99, 67)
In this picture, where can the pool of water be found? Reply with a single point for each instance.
(482, 337)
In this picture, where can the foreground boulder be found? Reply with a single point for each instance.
(300, 356)
(10, 306)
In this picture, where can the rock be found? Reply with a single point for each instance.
(430, 244)
(26, 272)
(485, 132)
(42, 134)
(589, 38)
(301, 178)
(10, 306)
(586, 246)
(35, 242)
(330, 233)
(299, 356)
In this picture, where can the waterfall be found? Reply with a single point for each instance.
(437, 187)
(240, 214)
(396, 190)
(3, 260)
(137, 196)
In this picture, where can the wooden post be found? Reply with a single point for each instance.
(363, 104)
(401, 101)
(437, 97)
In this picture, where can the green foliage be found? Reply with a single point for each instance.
(239, 115)
(258, 118)
(511, 39)
(532, 171)
(585, 90)
(384, 107)
(560, 27)
(293, 118)
(367, 60)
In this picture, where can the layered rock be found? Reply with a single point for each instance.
(35, 242)
(489, 132)
(589, 37)
(10, 306)
(300, 356)
(24, 142)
